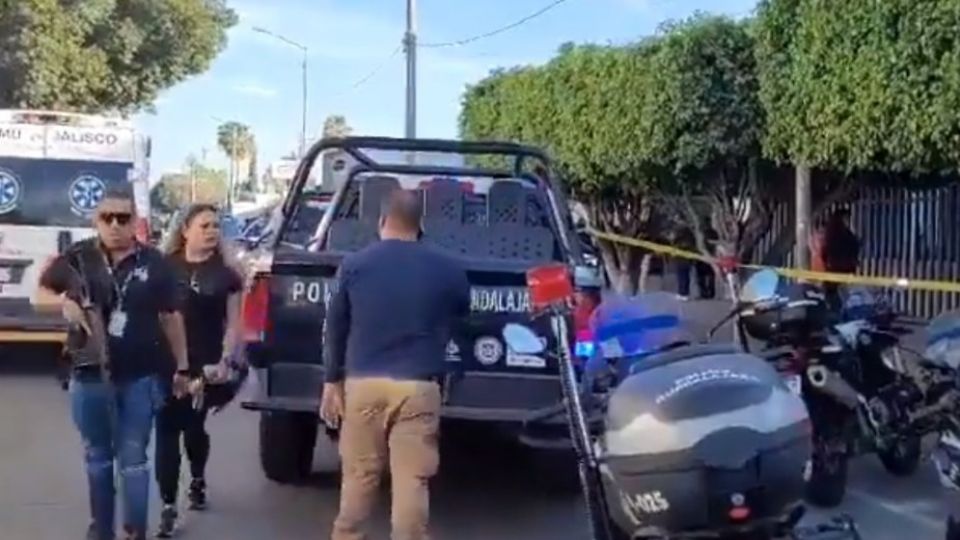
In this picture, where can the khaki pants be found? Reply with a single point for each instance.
(388, 421)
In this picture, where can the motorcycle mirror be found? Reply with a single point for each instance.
(522, 340)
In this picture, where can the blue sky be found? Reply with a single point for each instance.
(256, 80)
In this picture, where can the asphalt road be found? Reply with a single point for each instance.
(479, 494)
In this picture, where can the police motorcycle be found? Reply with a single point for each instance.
(943, 349)
(696, 441)
(862, 394)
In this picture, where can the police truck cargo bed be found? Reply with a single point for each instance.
(499, 222)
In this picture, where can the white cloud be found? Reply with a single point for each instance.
(255, 90)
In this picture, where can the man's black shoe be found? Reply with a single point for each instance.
(198, 494)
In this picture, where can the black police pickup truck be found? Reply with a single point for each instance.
(491, 204)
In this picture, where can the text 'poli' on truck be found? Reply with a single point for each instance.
(54, 169)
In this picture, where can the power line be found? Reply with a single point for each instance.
(492, 33)
(373, 73)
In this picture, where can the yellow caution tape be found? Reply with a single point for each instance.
(794, 273)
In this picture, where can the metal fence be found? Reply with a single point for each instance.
(912, 234)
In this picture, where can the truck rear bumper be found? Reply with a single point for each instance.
(529, 407)
(20, 322)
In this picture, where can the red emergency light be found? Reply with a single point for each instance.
(549, 286)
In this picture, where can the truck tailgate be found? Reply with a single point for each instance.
(483, 372)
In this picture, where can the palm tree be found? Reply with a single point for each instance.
(238, 143)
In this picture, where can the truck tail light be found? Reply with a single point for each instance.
(256, 302)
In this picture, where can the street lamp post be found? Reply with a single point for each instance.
(303, 112)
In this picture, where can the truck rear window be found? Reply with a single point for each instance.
(473, 217)
(306, 218)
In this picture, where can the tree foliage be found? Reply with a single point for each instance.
(104, 55)
(236, 140)
(861, 84)
(174, 190)
(336, 125)
(703, 122)
(674, 117)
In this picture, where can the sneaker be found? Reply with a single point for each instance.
(198, 494)
(130, 534)
(168, 521)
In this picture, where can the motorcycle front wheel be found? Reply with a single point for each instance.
(826, 483)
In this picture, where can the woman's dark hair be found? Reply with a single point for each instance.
(176, 243)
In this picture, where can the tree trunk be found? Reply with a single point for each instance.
(624, 266)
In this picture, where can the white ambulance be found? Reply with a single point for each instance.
(54, 169)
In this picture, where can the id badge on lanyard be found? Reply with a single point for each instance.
(117, 326)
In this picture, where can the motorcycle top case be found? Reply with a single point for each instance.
(704, 438)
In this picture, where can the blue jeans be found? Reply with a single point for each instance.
(115, 422)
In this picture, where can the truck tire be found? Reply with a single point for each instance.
(287, 440)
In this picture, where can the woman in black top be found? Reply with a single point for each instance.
(212, 288)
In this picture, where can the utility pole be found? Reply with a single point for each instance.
(803, 206)
(303, 108)
(193, 182)
(410, 46)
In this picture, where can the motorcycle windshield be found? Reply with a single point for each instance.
(943, 339)
(635, 326)
(763, 286)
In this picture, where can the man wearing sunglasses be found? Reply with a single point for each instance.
(124, 295)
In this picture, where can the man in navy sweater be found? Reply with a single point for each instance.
(387, 327)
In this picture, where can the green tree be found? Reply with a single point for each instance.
(236, 140)
(581, 107)
(239, 145)
(197, 183)
(336, 125)
(673, 118)
(701, 123)
(861, 84)
(104, 55)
